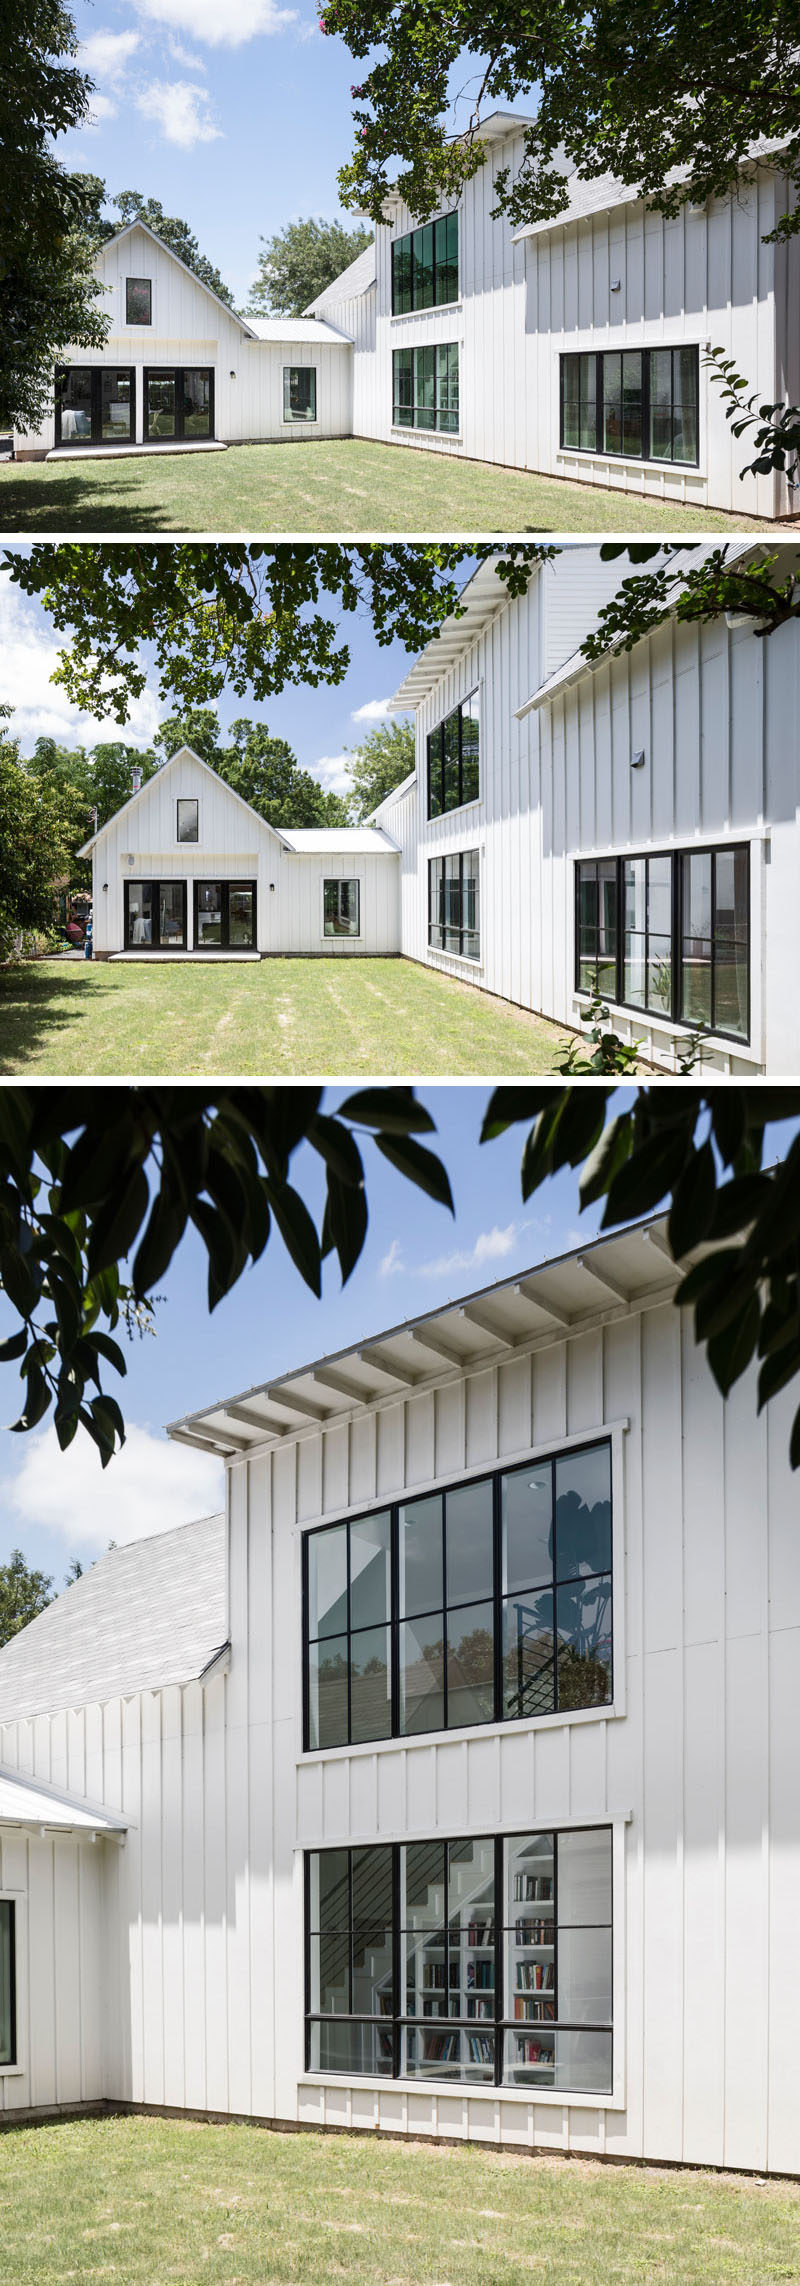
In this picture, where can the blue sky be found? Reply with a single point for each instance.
(236, 114)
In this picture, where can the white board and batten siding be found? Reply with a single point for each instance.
(56, 1882)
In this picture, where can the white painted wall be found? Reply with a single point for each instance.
(57, 1884)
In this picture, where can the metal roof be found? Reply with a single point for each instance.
(147, 1615)
(480, 601)
(595, 194)
(24, 1802)
(604, 1279)
(396, 795)
(357, 279)
(326, 841)
(577, 665)
(304, 330)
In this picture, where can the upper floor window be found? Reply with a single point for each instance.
(489, 1602)
(138, 301)
(486, 1959)
(637, 402)
(188, 829)
(299, 392)
(341, 904)
(8, 2038)
(425, 266)
(454, 759)
(425, 388)
(668, 934)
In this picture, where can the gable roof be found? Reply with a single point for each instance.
(145, 1616)
(182, 753)
(357, 279)
(117, 237)
(572, 669)
(594, 195)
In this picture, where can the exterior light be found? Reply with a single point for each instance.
(637, 760)
(615, 285)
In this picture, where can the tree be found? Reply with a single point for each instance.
(49, 295)
(262, 769)
(99, 778)
(132, 207)
(299, 262)
(621, 89)
(381, 762)
(23, 1594)
(86, 1183)
(38, 823)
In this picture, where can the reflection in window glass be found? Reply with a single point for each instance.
(299, 392)
(7, 1995)
(425, 266)
(138, 301)
(341, 904)
(604, 396)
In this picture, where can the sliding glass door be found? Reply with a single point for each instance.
(155, 916)
(95, 404)
(178, 403)
(225, 916)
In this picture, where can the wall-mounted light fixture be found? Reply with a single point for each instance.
(616, 285)
(105, 886)
(231, 375)
(272, 887)
(637, 760)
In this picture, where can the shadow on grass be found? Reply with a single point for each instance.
(35, 1005)
(66, 499)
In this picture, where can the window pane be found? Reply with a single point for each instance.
(341, 906)
(330, 1889)
(425, 388)
(336, 2047)
(451, 787)
(450, 2054)
(583, 2060)
(327, 1692)
(471, 1888)
(470, 738)
(329, 1964)
(526, 1496)
(196, 402)
(435, 783)
(160, 405)
(632, 401)
(446, 231)
(423, 1885)
(447, 386)
(6, 1985)
(74, 393)
(584, 1643)
(570, 400)
(421, 1652)
(607, 929)
(370, 1543)
(138, 301)
(584, 1878)
(529, 2058)
(588, 403)
(421, 1576)
(696, 938)
(468, 1516)
(661, 404)
(403, 368)
(170, 914)
(612, 401)
(327, 1581)
(452, 904)
(436, 901)
(187, 821)
(428, 1988)
(370, 1684)
(470, 902)
(529, 1873)
(372, 1889)
(685, 424)
(423, 267)
(241, 926)
(583, 1512)
(401, 274)
(140, 912)
(208, 923)
(470, 1664)
(730, 891)
(659, 974)
(584, 1973)
(299, 392)
(116, 401)
(528, 1655)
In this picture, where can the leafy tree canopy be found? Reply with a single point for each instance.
(40, 823)
(23, 1594)
(262, 769)
(621, 89)
(87, 1182)
(49, 295)
(381, 762)
(299, 262)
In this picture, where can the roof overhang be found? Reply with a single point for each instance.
(184, 753)
(26, 1803)
(632, 1269)
(483, 597)
(577, 665)
(163, 248)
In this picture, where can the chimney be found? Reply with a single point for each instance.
(136, 779)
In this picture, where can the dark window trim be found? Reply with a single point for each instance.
(437, 734)
(439, 859)
(13, 2059)
(335, 880)
(187, 840)
(208, 882)
(441, 413)
(658, 460)
(158, 881)
(97, 371)
(407, 238)
(496, 2026)
(148, 282)
(672, 1015)
(395, 1620)
(177, 372)
(288, 415)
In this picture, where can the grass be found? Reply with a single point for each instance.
(344, 485)
(320, 1017)
(144, 2202)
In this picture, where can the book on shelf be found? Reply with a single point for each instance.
(533, 2052)
(534, 1932)
(530, 1886)
(480, 1976)
(533, 2008)
(480, 1933)
(481, 2049)
(479, 2007)
(536, 1976)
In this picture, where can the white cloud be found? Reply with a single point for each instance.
(102, 107)
(41, 709)
(107, 54)
(180, 110)
(393, 1261)
(150, 1485)
(376, 710)
(184, 55)
(227, 25)
(333, 772)
(490, 1246)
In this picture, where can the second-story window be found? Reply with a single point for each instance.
(188, 829)
(425, 266)
(488, 1602)
(138, 301)
(454, 759)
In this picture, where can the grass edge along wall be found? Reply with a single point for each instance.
(689, 1767)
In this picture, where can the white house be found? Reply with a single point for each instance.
(266, 1849)
(187, 868)
(631, 826)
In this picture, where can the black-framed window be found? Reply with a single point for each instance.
(8, 1992)
(487, 1602)
(486, 1960)
(668, 934)
(138, 301)
(224, 916)
(299, 392)
(425, 266)
(454, 758)
(425, 387)
(95, 404)
(454, 904)
(638, 402)
(188, 818)
(178, 403)
(341, 908)
(155, 916)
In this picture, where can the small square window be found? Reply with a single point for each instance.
(187, 821)
(138, 301)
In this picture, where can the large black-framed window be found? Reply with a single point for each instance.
(225, 916)
(454, 758)
(8, 1982)
(425, 266)
(454, 904)
(488, 1960)
(178, 403)
(425, 387)
(138, 301)
(155, 916)
(341, 907)
(95, 404)
(299, 392)
(642, 403)
(490, 1601)
(668, 934)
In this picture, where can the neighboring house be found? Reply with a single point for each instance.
(539, 1888)
(188, 867)
(631, 827)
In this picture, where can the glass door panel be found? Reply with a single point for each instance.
(116, 405)
(208, 926)
(140, 913)
(160, 405)
(170, 915)
(196, 402)
(241, 916)
(74, 397)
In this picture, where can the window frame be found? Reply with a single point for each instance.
(645, 351)
(407, 238)
(12, 2064)
(446, 952)
(442, 414)
(438, 731)
(308, 419)
(208, 881)
(337, 881)
(157, 882)
(187, 840)
(501, 2022)
(676, 855)
(95, 437)
(136, 322)
(570, 1447)
(177, 373)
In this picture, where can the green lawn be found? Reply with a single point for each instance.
(347, 485)
(146, 2202)
(319, 1017)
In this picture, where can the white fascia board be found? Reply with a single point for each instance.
(96, 838)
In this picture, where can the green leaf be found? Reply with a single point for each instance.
(609, 1154)
(647, 1176)
(777, 1370)
(345, 1223)
(729, 1352)
(393, 1110)
(14, 1347)
(508, 1106)
(298, 1233)
(418, 1165)
(118, 1221)
(794, 1442)
(693, 1203)
(161, 1237)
